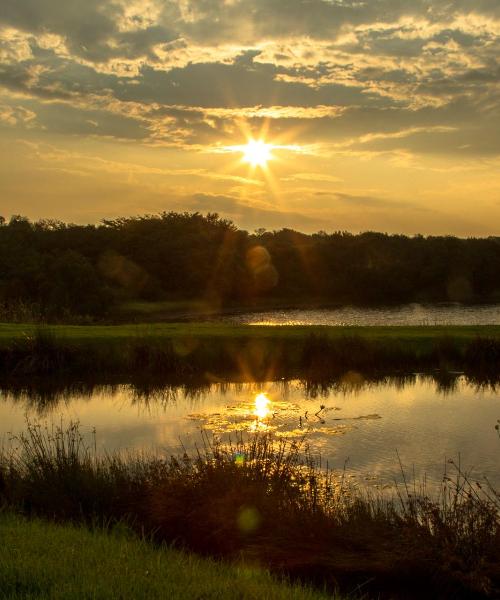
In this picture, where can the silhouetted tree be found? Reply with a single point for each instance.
(69, 270)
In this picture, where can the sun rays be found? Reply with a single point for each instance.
(263, 160)
(261, 149)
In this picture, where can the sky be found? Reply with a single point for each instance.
(379, 115)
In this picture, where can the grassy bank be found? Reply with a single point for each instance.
(217, 352)
(421, 335)
(268, 503)
(54, 562)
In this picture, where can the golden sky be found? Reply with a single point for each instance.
(381, 115)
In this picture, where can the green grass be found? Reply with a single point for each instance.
(413, 334)
(47, 561)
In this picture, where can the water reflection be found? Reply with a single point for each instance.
(364, 422)
(404, 315)
(42, 396)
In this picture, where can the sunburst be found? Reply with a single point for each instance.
(257, 153)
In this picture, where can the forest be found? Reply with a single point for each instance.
(53, 270)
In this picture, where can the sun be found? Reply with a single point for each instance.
(257, 153)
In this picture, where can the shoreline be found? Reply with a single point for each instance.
(216, 352)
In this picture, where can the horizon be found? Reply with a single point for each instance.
(310, 116)
(257, 232)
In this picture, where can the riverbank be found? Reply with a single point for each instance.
(219, 352)
(413, 334)
(269, 503)
(56, 562)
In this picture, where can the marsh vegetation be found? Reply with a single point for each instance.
(268, 502)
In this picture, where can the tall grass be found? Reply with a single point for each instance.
(270, 503)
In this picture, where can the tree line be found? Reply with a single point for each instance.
(56, 270)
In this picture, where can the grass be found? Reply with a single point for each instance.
(419, 335)
(269, 503)
(220, 352)
(51, 562)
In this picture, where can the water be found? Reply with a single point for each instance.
(364, 425)
(408, 314)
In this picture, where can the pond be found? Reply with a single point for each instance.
(408, 314)
(362, 425)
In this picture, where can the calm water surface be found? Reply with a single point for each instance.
(408, 314)
(365, 425)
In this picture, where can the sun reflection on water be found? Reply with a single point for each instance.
(262, 409)
(261, 412)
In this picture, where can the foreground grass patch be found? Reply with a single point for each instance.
(47, 561)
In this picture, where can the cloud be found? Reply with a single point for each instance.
(414, 70)
(377, 202)
(315, 177)
(13, 116)
(391, 82)
(250, 216)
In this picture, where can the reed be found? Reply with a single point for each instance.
(268, 501)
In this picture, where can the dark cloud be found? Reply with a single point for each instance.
(243, 83)
(248, 20)
(86, 26)
(94, 29)
(91, 29)
(65, 119)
